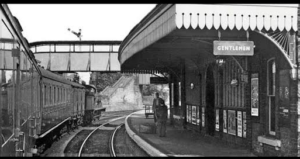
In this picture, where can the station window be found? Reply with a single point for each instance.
(271, 76)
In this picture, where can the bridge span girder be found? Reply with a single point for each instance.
(77, 56)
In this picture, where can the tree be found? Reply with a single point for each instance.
(106, 79)
(76, 78)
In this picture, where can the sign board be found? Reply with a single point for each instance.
(198, 118)
(239, 124)
(254, 94)
(187, 113)
(194, 113)
(234, 48)
(179, 93)
(158, 80)
(231, 122)
(203, 116)
(244, 125)
(224, 121)
(217, 119)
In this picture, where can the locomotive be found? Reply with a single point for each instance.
(37, 106)
(93, 108)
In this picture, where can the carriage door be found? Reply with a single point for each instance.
(210, 100)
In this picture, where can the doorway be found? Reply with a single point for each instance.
(210, 101)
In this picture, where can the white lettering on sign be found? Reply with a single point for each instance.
(234, 48)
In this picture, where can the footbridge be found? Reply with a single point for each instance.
(77, 56)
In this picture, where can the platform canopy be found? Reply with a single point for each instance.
(167, 20)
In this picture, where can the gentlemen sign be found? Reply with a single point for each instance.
(234, 48)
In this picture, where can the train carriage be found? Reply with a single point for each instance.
(36, 105)
(61, 108)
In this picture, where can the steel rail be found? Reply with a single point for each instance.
(80, 150)
(112, 149)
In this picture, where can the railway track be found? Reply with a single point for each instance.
(95, 141)
(104, 138)
(111, 142)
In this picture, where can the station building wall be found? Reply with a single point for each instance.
(233, 103)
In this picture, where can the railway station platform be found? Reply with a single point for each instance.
(178, 142)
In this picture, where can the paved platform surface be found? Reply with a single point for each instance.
(179, 142)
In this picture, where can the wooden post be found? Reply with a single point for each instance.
(182, 86)
(171, 98)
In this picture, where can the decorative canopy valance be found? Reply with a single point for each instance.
(237, 16)
(164, 19)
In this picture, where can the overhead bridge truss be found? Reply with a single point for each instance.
(77, 56)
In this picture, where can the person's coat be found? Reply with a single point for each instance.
(162, 113)
(156, 104)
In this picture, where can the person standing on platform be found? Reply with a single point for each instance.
(156, 101)
(162, 117)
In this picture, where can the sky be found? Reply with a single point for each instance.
(42, 22)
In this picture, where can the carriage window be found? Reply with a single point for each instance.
(62, 95)
(55, 95)
(83, 96)
(44, 96)
(7, 83)
(50, 95)
(66, 95)
(271, 75)
(59, 95)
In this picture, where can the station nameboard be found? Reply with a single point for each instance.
(234, 48)
(158, 80)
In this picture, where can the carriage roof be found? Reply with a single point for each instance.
(59, 78)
